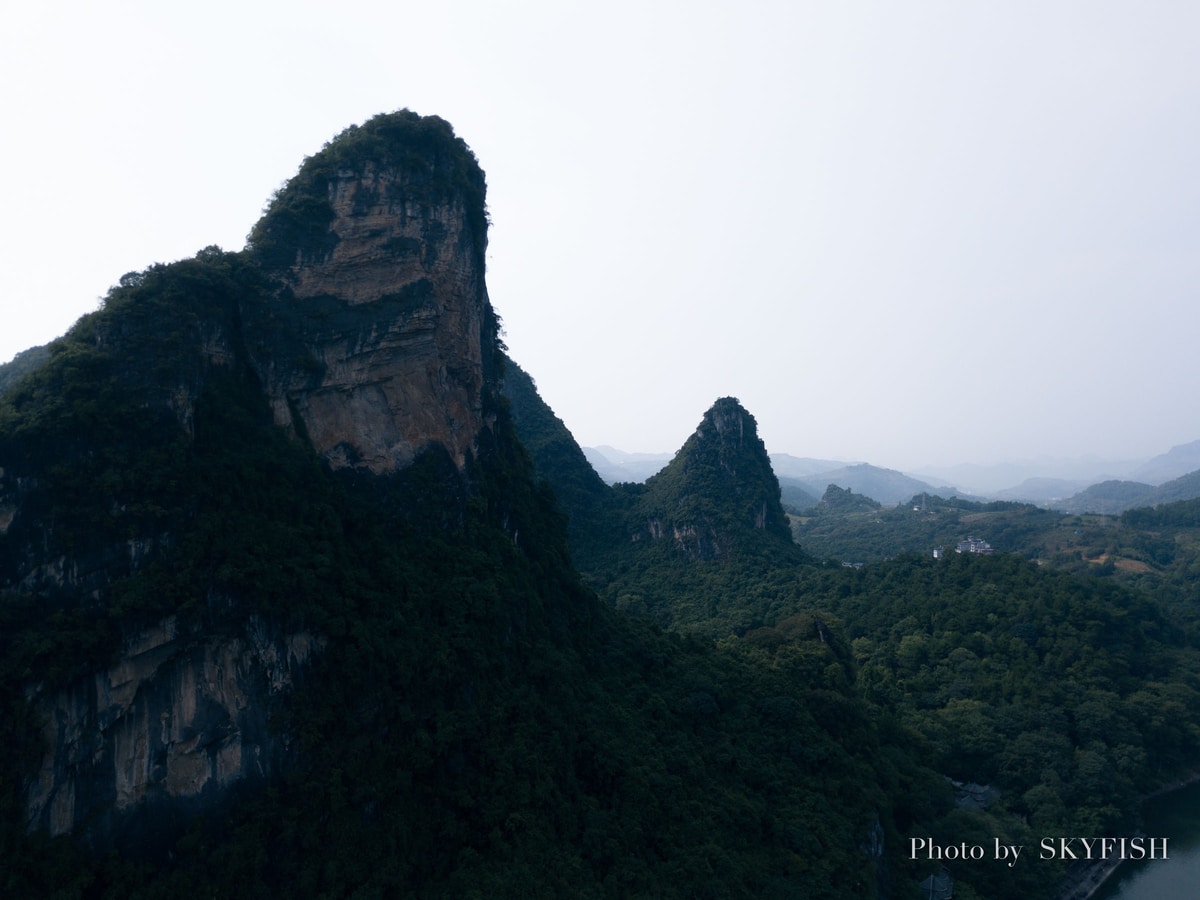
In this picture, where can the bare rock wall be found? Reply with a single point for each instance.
(176, 718)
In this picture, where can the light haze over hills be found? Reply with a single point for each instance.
(1046, 482)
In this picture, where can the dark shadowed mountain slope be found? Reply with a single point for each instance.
(286, 610)
(22, 364)
(594, 522)
(1001, 665)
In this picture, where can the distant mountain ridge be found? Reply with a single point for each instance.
(800, 467)
(1042, 491)
(615, 465)
(804, 480)
(1115, 497)
(990, 480)
(887, 486)
(1180, 460)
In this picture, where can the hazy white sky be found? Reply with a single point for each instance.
(905, 232)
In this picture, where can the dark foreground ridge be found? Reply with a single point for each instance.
(284, 610)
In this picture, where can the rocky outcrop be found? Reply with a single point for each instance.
(177, 719)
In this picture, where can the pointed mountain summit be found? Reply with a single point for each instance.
(719, 493)
(711, 520)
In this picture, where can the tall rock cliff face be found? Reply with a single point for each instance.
(381, 238)
(358, 320)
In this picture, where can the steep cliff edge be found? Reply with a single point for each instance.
(380, 240)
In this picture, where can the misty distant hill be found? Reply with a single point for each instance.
(1109, 498)
(788, 466)
(888, 486)
(1114, 497)
(1179, 460)
(615, 465)
(1076, 485)
(998, 479)
(1186, 487)
(1042, 491)
(796, 495)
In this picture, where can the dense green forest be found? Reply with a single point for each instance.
(1116, 497)
(1053, 671)
(1154, 549)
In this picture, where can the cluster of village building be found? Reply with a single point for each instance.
(970, 545)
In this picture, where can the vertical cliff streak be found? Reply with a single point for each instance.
(174, 717)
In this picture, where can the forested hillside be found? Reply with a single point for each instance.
(1114, 497)
(1068, 696)
(1151, 549)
